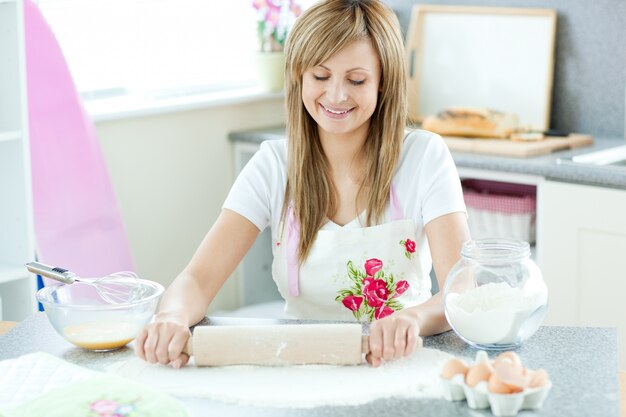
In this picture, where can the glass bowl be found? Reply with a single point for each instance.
(494, 296)
(80, 315)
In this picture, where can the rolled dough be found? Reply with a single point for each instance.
(302, 386)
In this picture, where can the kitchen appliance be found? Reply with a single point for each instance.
(614, 157)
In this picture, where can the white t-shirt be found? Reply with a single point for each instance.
(426, 182)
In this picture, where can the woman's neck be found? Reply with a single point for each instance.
(344, 152)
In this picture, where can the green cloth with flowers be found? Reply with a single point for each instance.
(102, 396)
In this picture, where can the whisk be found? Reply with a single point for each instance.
(118, 288)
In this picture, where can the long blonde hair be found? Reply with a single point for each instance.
(318, 34)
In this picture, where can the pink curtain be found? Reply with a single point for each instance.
(78, 224)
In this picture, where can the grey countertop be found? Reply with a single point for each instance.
(553, 166)
(581, 362)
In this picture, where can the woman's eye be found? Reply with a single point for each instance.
(318, 78)
(355, 82)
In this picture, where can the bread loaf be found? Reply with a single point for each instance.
(472, 122)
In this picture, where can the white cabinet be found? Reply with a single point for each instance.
(17, 286)
(503, 225)
(583, 231)
(255, 271)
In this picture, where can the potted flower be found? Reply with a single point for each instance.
(274, 19)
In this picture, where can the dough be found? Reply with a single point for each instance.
(302, 386)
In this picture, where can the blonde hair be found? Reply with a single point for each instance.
(318, 34)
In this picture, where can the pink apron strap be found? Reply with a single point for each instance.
(396, 208)
(293, 238)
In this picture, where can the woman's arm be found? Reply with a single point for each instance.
(186, 300)
(446, 235)
(400, 333)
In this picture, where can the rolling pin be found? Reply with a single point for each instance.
(286, 344)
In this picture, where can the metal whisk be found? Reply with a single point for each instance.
(118, 288)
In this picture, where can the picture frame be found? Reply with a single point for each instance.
(486, 57)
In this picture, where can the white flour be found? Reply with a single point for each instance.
(302, 386)
(492, 313)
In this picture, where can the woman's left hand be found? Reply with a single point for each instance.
(393, 337)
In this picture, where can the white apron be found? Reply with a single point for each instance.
(360, 274)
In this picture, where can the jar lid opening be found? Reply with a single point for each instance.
(495, 250)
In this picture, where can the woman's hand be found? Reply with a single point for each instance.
(393, 337)
(163, 341)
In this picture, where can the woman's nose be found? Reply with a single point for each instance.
(336, 92)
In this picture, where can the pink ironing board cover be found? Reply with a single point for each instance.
(78, 224)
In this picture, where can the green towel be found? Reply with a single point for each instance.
(101, 396)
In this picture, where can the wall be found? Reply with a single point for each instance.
(589, 93)
(171, 173)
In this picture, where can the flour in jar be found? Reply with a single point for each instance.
(492, 313)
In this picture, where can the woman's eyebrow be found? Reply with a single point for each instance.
(350, 70)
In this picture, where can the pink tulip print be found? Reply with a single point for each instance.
(409, 247)
(373, 294)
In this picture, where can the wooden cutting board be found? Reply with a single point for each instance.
(505, 147)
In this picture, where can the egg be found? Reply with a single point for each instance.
(507, 378)
(510, 357)
(497, 386)
(453, 367)
(478, 373)
(538, 378)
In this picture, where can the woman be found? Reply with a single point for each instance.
(356, 207)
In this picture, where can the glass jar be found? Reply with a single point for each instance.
(495, 296)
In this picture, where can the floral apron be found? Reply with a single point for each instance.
(363, 273)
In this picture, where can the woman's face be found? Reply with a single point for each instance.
(341, 93)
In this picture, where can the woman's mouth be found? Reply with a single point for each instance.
(336, 113)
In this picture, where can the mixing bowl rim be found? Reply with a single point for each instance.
(100, 307)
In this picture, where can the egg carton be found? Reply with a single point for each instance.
(478, 397)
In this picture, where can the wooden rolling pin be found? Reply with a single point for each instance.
(286, 344)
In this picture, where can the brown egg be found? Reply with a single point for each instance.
(453, 367)
(478, 373)
(510, 374)
(537, 378)
(498, 386)
(511, 357)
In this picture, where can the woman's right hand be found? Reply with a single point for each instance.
(163, 340)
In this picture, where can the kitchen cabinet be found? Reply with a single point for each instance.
(254, 275)
(17, 286)
(583, 231)
(513, 225)
(580, 247)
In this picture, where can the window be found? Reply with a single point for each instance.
(155, 47)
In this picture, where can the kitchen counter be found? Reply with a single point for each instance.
(547, 166)
(581, 361)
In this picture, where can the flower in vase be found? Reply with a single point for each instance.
(274, 20)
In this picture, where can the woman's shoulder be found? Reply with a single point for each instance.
(420, 143)
(420, 137)
(274, 151)
(275, 146)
